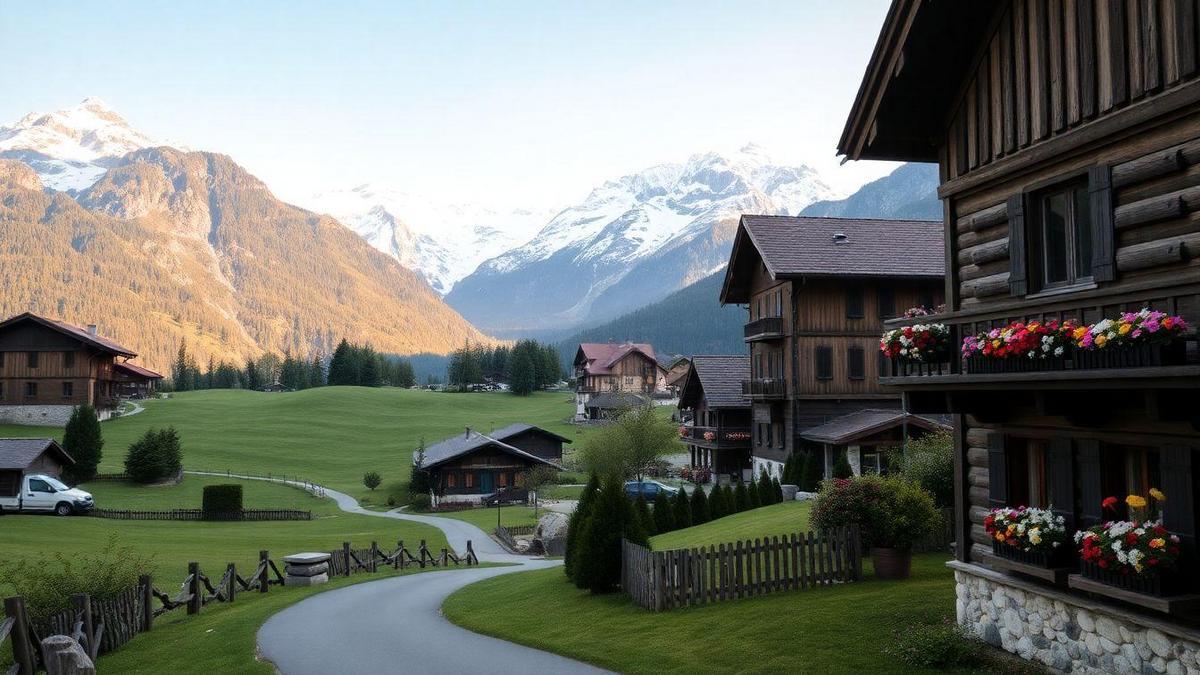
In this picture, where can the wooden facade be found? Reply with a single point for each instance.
(602, 369)
(716, 417)
(1076, 117)
(473, 466)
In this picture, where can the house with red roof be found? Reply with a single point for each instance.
(616, 372)
(48, 367)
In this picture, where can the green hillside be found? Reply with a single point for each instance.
(768, 521)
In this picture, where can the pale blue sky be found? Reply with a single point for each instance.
(508, 102)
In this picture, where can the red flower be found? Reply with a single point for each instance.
(1103, 563)
(1152, 561)
(1131, 538)
(1109, 503)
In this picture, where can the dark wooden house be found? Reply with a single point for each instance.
(716, 416)
(611, 367)
(134, 381)
(818, 291)
(472, 466)
(1068, 138)
(22, 456)
(48, 367)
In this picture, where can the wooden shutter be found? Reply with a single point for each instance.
(824, 358)
(1104, 265)
(1178, 484)
(1090, 486)
(854, 302)
(997, 469)
(887, 302)
(1018, 281)
(855, 363)
(1060, 478)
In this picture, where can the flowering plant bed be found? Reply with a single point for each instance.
(1028, 535)
(1159, 585)
(695, 474)
(921, 343)
(1033, 341)
(1128, 553)
(1130, 329)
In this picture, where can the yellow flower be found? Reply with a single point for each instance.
(1079, 332)
(999, 536)
(1125, 328)
(1158, 543)
(1135, 501)
(1101, 339)
(1157, 494)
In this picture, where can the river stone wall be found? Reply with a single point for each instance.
(1066, 633)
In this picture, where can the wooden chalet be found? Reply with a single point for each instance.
(48, 367)
(472, 466)
(716, 416)
(134, 381)
(1068, 139)
(818, 291)
(611, 367)
(22, 456)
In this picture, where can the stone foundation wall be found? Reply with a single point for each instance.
(1067, 633)
(36, 415)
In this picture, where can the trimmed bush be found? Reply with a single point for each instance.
(940, 647)
(154, 457)
(891, 512)
(741, 496)
(776, 491)
(754, 493)
(597, 559)
(699, 506)
(84, 443)
(48, 583)
(716, 503)
(810, 472)
(664, 519)
(221, 499)
(930, 462)
(682, 508)
(576, 523)
(420, 502)
(841, 466)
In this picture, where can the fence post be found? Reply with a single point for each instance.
(398, 558)
(23, 655)
(346, 556)
(422, 553)
(471, 554)
(445, 557)
(231, 589)
(374, 554)
(147, 602)
(197, 600)
(83, 605)
(264, 558)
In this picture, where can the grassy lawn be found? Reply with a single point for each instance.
(766, 521)
(188, 494)
(838, 629)
(485, 519)
(560, 492)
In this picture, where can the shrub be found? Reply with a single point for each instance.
(576, 522)
(664, 520)
(754, 493)
(391, 500)
(221, 499)
(84, 443)
(47, 587)
(940, 646)
(841, 466)
(776, 491)
(154, 457)
(372, 480)
(681, 510)
(930, 462)
(699, 504)
(716, 503)
(741, 497)
(420, 501)
(597, 559)
(890, 512)
(810, 472)
(645, 520)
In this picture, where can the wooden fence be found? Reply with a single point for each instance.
(200, 514)
(663, 580)
(102, 626)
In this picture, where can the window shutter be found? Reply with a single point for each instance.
(854, 302)
(824, 358)
(997, 470)
(855, 363)
(1177, 480)
(1060, 476)
(1090, 511)
(887, 303)
(1104, 265)
(1018, 281)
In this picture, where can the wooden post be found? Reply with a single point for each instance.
(62, 655)
(231, 589)
(22, 649)
(374, 554)
(398, 558)
(421, 554)
(263, 562)
(445, 557)
(145, 587)
(346, 556)
(83, 605)
(471, 558)
(197, 599)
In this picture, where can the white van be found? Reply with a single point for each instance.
(42, 493)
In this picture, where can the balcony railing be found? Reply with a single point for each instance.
(716, 437)
(765, 388)
(769, 328)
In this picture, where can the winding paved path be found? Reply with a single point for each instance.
(396, 624)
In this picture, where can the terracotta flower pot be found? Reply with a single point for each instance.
(891, 563)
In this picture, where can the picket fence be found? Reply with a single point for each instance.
(664, 580)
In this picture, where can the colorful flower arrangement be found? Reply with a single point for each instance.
(1028, 529)
(1139, 546)
(914, 312)
(1032, 340)
(685, 431)
(696, 474)
(710, 435)
(1131, 328)
(737, 435)
(926, 342)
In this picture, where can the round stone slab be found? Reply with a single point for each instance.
(305, 581)
(306, 570)
(309, 558)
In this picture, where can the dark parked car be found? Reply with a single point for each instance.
(648, 489)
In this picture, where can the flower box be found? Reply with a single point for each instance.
(1159, 585)
(905, 368)
(1060, 557)
(1134, 356)
(986, 365)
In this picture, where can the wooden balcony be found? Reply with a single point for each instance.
(765, 388)
(716, 437)
(769, 328)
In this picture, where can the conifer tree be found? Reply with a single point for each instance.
(664, 520)
(731, 505)
(765, 496)
(597, 559)
(716, 503)
(316, 373)
(84, 443)
(741, 496)
(682, 510)
(810, 472)
(841, 466)
(776, 491)
(253, 377)
(645, 520)
(340, 368)
(699, 506)
(576, 523)
(755, 494)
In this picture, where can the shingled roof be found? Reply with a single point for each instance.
(81, 334)
(598, 358)
(863, 423)
(18, 453)
(718, 379)
(795, 246)
(471, 440)
(137, 371)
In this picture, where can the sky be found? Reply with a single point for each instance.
(506, 103)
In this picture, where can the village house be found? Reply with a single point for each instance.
(676, 370)
(716, 416)
(629, 369)
(23, 456)
(818, 291)
(1068, 138)
(48, 367)
(470, 467)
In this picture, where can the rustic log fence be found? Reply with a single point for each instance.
(250, 515)
(298, 482)
(102, 626)
(664, 580)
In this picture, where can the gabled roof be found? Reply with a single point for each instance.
(137, 371)
(19, 453)
(81, 334)
(598, 358)
(472, 441)
(505, 433)
(718, 379)
(799, 246)
(864, 423)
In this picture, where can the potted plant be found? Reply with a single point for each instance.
(1030, 536)
(892, 514)
(1135, 339)
(911, 347)
(1137, 555)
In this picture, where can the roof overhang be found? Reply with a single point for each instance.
(818, 434)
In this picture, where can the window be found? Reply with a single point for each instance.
(31, 390)
(824, 363)
(39, 485)
(68, 359)
(451, 480)
(856, 363)
(33, 359)
(926, 299)
(1027, 473)
(1127, 470)
(869, 463)
(1, 359)
(1062, 242)
(779, 302)
(854, 302)
(68, 389)
(886, 298)
(502, 479)
(469, 479)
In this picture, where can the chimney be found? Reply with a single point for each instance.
(91, 329)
